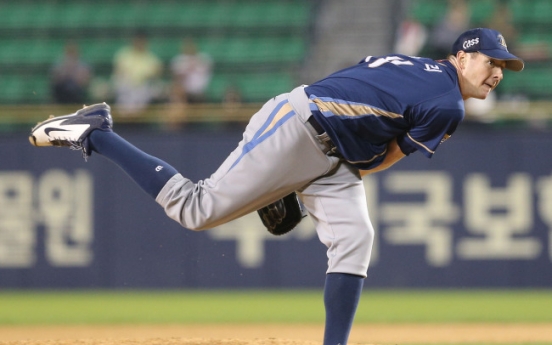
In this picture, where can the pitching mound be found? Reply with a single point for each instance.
(271, 334)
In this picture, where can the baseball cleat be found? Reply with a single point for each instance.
(73, 130)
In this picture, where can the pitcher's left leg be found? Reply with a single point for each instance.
(338, 207)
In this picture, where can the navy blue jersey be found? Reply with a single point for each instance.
(363, 107)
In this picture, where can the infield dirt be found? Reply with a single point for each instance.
(272, 334)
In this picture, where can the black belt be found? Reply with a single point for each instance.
(326, 140)
(316, 125)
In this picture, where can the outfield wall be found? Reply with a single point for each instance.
(478, 214)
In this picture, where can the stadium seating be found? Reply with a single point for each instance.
(532, 20)
(24, 88)
(430, 12)
(251, 42)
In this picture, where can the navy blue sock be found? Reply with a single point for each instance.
(341, 296)
(149, 172)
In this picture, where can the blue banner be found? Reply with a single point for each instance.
(478, 214)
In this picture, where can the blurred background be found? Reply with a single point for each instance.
(225, 53)
(183, 77)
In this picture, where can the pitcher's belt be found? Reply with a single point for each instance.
(323, 137)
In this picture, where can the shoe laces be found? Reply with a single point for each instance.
(79, 147)
(72, 144)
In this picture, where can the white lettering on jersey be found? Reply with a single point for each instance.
(395, 60)
(432, 68)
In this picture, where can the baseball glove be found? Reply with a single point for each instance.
(282, 216)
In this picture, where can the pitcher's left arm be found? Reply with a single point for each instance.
(393, 155)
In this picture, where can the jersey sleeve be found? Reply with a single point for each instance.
(429, 129)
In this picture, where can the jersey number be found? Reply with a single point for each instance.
(395, 60)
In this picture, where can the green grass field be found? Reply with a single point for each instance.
(259, 306)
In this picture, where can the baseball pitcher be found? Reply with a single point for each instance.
(316, 141)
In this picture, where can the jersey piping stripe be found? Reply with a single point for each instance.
(277, 118)
(419, 143)
(371, 159)
(315, 108)
(273, 119)
(329, 106)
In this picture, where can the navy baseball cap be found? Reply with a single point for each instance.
(488, 42)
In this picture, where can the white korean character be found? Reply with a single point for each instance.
(544, 187)
(65, 204)
(498, 217)
(17, 227)
(426, 222)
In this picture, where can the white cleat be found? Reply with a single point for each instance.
(73, 130)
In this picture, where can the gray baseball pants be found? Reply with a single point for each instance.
(280, 153)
